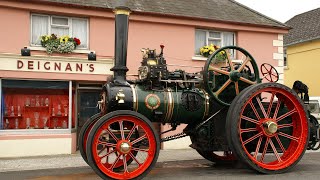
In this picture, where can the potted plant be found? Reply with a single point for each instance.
(63, 44)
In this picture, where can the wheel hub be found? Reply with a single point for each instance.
(270, 127)
(235, 76)
(124, 147)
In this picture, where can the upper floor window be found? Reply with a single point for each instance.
(60, 26)
(218, 38)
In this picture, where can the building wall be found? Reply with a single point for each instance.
(303, 64)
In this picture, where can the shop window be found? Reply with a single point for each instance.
(207, 37)
(35, 105)
(60, 26)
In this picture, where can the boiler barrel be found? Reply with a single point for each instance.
(170, 105)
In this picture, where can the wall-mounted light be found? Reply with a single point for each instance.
(25, 51)
(92, 56)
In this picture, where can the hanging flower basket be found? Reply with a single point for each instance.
(63, 44)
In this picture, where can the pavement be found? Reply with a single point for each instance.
(75, 160)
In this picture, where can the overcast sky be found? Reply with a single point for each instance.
(281, 10)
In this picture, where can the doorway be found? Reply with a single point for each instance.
(87, 106)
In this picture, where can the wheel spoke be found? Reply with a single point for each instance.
(223, 87)
(115, 162)
(257, 148)
(284, 126)
(252, 138)
(276, 110)
(270, 105)
(139, 139)
(131, 132)
(261, 107)
(112, 135)
(254, 110)
(125, 166)
(113, 151)
(275, 152)
(286, 114)
(106, 144)
(247, 80)
(289, 136)
(134, 158)
(249, 119)
(138, 149)
(243, 64)
(265, 149)
(101, 150)
(121, 130)
(236, 84)
(211, 68)
(280, 144)
(248, 130)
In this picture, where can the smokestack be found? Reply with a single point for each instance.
(121, 45)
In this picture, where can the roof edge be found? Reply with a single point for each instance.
(254, 11)
(303, 41)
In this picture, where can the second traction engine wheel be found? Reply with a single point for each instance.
(267, 128)
(212, 156)
(110, 132)
(83, 135)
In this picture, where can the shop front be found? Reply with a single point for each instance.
(45, 100)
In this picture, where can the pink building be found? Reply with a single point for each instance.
(46, 98)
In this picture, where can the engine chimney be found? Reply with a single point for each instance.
(121, 44)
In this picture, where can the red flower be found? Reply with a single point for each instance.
(77, 41)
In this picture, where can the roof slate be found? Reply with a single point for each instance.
(219, 10)
(305, 27)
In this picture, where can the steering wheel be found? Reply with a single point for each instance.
(223, 80)
(269, 72)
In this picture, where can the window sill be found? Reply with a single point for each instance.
(79, 51)
(199, 58)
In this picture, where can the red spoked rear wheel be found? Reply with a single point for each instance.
(112, 142)
(83, 135)
(268, 128)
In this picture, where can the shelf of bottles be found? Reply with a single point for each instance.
(36, 112)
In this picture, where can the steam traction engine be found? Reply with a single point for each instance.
(230, 114)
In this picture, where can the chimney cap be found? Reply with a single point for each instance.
(122, 10)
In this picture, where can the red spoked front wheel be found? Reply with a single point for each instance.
(113, 141)
(268, 128)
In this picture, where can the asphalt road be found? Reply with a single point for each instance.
(308, 168)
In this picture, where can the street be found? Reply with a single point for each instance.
(307, 168)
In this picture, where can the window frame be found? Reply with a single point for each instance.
(70, 19)
(198, 56)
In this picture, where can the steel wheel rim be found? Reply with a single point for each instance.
(298, 138)
(107, 168)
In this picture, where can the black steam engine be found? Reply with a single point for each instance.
(230, 115)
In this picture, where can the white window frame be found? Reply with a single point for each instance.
(198, 56)
(56, 25)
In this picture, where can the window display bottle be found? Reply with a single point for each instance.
(28, 102)
(6, 124)
(45, 119)
(19, 111)
(59, 110)
(37, 101)
(16, 123)
(53, 113)
(55, 123)
(6, 111)
(64, 125)
(46, 101)
(65, 110)
(12, 111)
(36, 120)
(28, 123)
